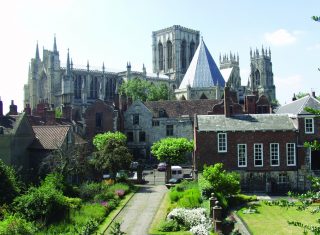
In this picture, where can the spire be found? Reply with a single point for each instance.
(269, 52)
(37, 52)
(68, 63)
(88, 65)
(71, 64)
(250, 52)
(103, 68)
(55, 44)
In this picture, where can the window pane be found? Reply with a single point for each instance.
(274, 154)
(242, 155)
(258, 154)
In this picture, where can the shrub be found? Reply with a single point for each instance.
(175, 195)
(88, 190)
(239, 199)
(169, 226)
(199, 230)
(120, 193)
(14, 224)
(120, 186)
(191, 198)
(9, 184)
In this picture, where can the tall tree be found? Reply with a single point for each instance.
(139, 89)
(112, 153)
(172, 151)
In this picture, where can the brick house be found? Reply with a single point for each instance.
(266, 149)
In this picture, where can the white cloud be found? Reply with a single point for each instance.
(281, 37)
(286, 86)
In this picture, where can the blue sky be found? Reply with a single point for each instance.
(118, 31)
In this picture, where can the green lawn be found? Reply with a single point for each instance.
(273, 219)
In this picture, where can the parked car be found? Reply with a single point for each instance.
(173, 181)
(176, 172)
(162, 166)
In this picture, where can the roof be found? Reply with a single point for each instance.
(177, 108)
(9, 123)
(49, 137)
(203, 71)
(297, 107)
(253, 122)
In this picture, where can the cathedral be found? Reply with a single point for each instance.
(180, 59)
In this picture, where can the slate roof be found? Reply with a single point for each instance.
(203, 71)
(9, 123)
(49, 137)
(297, 107)
(253, 122)
(175, 108)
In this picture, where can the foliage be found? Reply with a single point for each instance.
(116, 229)
(113, 154)
(239, 199)
(301, 94)
(100, 140)
(199, 230)
(191, 198)
(169, 226)
(171, 150)
(58, 112)
(88, 190)
(45, 203)
(220, 181)
(316, 18)
(71, 161)
(9, 184)
(188, 218)
(143, 90)
(15, 224)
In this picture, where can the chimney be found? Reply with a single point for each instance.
(27, 109)
(250, 104)
(294, 97)
(313, 93)
(1, 108)
(67, 112)
(13, 109)
(50, 117)
(227, 102)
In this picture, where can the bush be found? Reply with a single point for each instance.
(14, 224)
(88, 190)
(169, 226)
(9, 184)
(239, 199)
(175, 195)
(120, 186)
(191, 198)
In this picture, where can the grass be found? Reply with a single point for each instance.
(273, 219)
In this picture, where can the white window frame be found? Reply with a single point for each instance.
(244, 157)
(255, 152)
(289, 149)
(276, 154)
(224, 148)
(307, 129)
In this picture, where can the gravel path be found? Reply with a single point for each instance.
(137, 215)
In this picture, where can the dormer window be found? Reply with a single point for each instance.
(135, 119)
(162, 113)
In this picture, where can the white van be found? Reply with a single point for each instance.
(176, 172)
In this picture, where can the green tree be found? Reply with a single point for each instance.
(301, 94)
(316, 18)
(139, 89)
(10, 186)
(113, 154)
(172, 151)
(219, 181)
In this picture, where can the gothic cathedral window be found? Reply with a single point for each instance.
(169, 50)
(77, 87)
(183, 55)
(160, 50)
(257, 78)
(192, 49)
(94, 88)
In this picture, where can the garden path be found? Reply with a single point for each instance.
(137, 215)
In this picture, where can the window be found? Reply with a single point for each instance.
(192, 49)
(169, 130)
(94, 88)
(242, 155)
(283, 178)
(258, 154)
(135, 119)
(274, 154)
(162, 113)
(183, 55)
(222, 142)
(160, 51)
(99, 120)
(155, 123)
(291, 154)
(308, 124)
(169, 53)
(142, 136)
(77, 87)
(130, 136)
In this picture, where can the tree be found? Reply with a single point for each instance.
(301, 94)
(316, 18)
(112, 153)
(9, 184)
(172, 151)
(143, 90)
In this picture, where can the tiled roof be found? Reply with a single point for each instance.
(297, 107)
(175, 108)
(49, 137)
(203, 71)
(253, 122)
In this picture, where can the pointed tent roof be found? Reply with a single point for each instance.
(203, 71)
